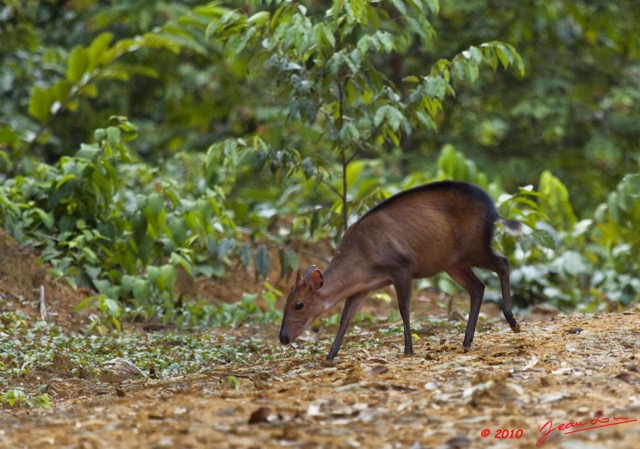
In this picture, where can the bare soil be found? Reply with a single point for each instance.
(575, 377)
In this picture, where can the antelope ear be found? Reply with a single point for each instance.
(308, 271)
(315, 279)
(298, 277)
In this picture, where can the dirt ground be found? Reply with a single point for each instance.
(570, 382)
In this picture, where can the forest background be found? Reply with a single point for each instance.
(144, 141)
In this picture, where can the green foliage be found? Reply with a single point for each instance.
(28, 346)
(248, 308)
(33, 344)
(17, 396)
(110, 310)
(328, 67)
(615, 242)
(453, 164)
(572, 113)
(274, 121)
(616, 219)
(590, 264)
(86, 67)
(104, 220)
(556, 205)
(63, 75)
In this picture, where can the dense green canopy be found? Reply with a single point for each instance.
(138, 136)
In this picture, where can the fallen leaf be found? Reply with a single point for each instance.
(377, 360)
(551, 397)
(629, 378)
(118, 370)
(259, 416)
(531, 363)
(459, 442)
(378, 369)
(544, 309)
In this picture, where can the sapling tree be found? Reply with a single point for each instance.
(331, 70)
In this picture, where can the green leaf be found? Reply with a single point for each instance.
(328, 36)
(435, 87)
(212, 247)
(127, 282)
(9, 136)
(284, 266)
(112, 306)
(155, 40)
(631, 184)
(503, 56)
(40, 103)
(64, 179)
(114, 72)
(225, 25)
(612, 206)
(474, 54)
(490, 56)
(156, 203)
(98, 50)
(434, 6)
(387, 41)
(354, 169)
(432, 106)
(245, 254)
(225, 246)
(141, 289)
(178, 228)
(465, 71)
(106, 288)
(113, 136)
(400, 6)
(166, 277)
(130, 130)
(393, 117)
(259, 18)
(426, 120)
(45, 218)
(544, 238)
(237, 43)
(262, 260)
(308, 168)
(77, 64)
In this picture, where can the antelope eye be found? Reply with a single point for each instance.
(299, 306)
